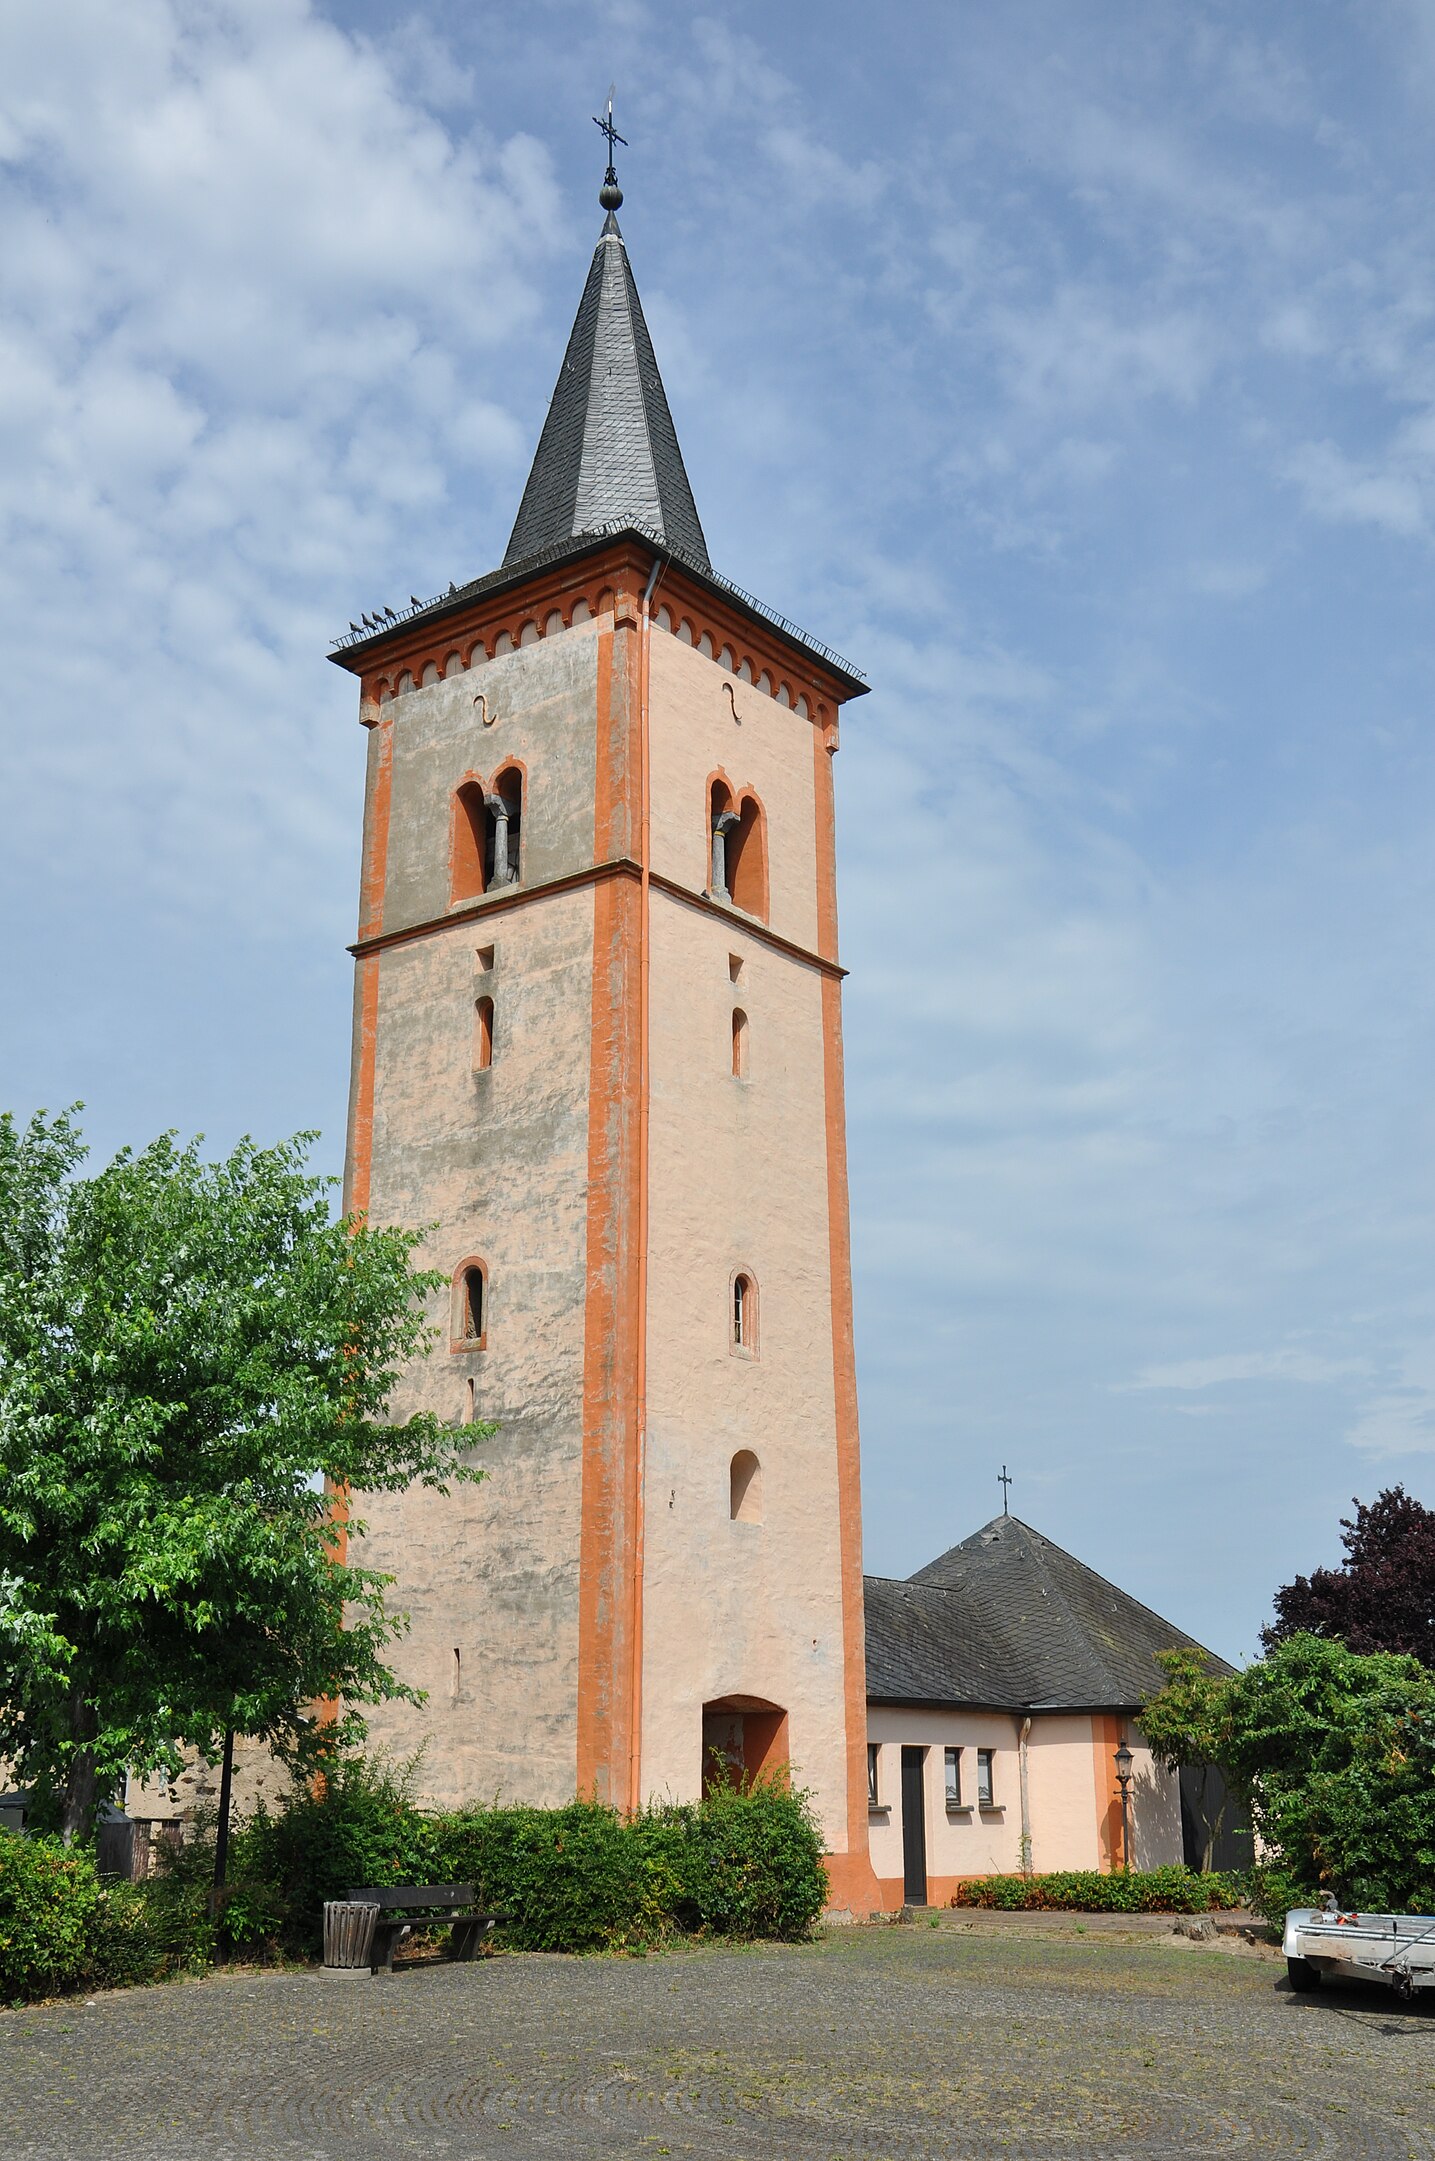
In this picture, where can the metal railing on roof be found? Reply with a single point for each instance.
(391, 618)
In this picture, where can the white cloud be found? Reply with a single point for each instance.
(246, 275)
(1341, 488)
(1399, 1420)
(1287, 1363)
(1074, 376)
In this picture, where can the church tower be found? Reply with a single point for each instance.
(598, 1043)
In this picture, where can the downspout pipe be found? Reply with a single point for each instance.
(1023, 1736)
(645, 865)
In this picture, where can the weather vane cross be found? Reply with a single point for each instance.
(1004, 1481)
(607, 128)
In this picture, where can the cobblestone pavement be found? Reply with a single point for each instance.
(945, 2042)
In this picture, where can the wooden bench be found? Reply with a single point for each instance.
(404, 1907)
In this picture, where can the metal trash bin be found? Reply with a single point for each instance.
(348, 1935)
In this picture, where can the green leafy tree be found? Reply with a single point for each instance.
(1189, 1724)
(1338, 1752)
(188, 1352)
(1335, 1753)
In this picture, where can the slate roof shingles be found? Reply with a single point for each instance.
(609, 453)
(1008, 1621)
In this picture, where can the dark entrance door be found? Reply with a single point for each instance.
(914, 1827)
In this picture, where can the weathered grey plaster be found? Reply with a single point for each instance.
(543, 699)
(499, 1160)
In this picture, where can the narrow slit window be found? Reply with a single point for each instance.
(745, 1488)
(482, 1035)
(953, 1758)
(739, 1044)
(986, 1790)
(874, 1798)
(744, 1314)
(455, 1680)
(474, 1306)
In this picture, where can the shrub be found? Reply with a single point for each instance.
(62, 1928)
(141, 1933)
(1274, 1890)
(583, 1878)
(1148, 1890)
(746, 1862)
(1335, 1752)
(49, 1898)
(579, 1878)
(1348, 1801)
(357, 1825)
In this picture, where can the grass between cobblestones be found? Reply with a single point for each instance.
(1013, 2035)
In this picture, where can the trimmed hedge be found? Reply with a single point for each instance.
(578, 1878)
(582, 1878)
(62, 1928)
(746, 1863)
(1079, 1890)
(49, 1897)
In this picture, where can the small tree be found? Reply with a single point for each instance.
(188, 1352)
(1338, 1753)
(1383, 1597)
(1190, 1724)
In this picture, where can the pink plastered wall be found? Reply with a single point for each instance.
(767, 749)
(1068, 1825)
(738, 1182)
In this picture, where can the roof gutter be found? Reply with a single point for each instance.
(354, 652)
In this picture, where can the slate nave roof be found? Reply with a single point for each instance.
(1009, 1621)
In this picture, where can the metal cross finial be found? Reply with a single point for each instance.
(610, 195)
(607, 128)
(1004, 1481)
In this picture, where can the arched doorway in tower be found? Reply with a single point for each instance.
(744, 1738)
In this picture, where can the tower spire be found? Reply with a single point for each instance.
(609, 454)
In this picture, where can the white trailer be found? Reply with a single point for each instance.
(1395, 1949)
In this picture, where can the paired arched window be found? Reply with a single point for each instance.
(745, 1488)
(470, 1307)
(503, 859)
(723, 822)
(486, 846)
(739, 849)
(466, 850)
(743, 1321)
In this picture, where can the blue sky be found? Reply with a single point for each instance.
(1072, 370)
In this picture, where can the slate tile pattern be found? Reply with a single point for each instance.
(608, 454)
(1010, 1621)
